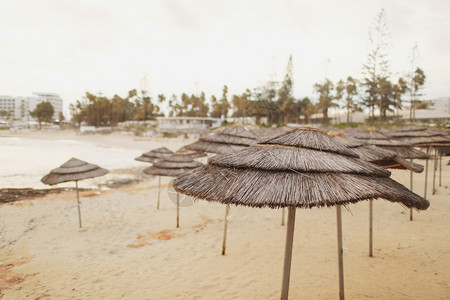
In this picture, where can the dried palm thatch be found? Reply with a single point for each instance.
(238, 131)
(154, 155)
(409, 128)
(302, 168)
(173, 165)
(191, 153)
(376, 155)
(420, 136)
(402, 149)
(214, 147)
(287, 164)
(230, 139)
(73, 170)
(268, 132)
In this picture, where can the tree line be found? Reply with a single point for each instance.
(274, 102)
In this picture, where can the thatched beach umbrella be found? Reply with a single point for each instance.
(73, 170)
(232, 138)
(228, 140)
(152, 157)
(378, 156)
(172, 166)
(422, 137)
(402, 148)
(302, 168)
(192, 153)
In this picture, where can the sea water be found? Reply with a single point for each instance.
(24, 161)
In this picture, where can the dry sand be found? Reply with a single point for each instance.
(127, 249)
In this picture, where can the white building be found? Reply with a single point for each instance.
(7, 106)
(186, 124)
(18, 108)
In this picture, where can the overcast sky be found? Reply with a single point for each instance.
(70, 47)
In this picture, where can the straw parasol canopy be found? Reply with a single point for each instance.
(403, 149)
(230, 139)
(172, 166)
(73, 170)
(154, 155)
(423, 137)
(302, 168)
(191, 153)
(229, 178)
(384, 158)
(420, 136)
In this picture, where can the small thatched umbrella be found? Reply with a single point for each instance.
(422, 137)
(232, 138)
(73, 170)
(172, 166)
(191, 153)
(302, 168)
(152, 157)
(403, 150)
(378, 156)
(228, 140)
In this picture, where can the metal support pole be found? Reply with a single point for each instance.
(288, 253)
(282, 216)
(78, 203)
(225, 226)
(370, 228)
(178, 210)
(159, 191)
(340, 252)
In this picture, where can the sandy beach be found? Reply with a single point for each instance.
(127, 249)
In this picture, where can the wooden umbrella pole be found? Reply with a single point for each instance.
(440, 168)
(434, 171)
(411, 189)
(282, 216)
(78, 203)
(288, 253)
(370, 228)
(159, 191)
(178, 210)
(426, 175)
(225, 226)
(340, 252)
